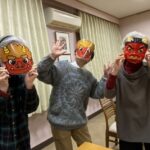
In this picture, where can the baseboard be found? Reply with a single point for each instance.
(50, 140)
(94, 114)
(43, 144)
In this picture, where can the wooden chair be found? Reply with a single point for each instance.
(109, 109)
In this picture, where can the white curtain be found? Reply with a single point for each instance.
(25, 18)
(107, 39)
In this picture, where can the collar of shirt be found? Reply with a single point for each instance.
(74, 63)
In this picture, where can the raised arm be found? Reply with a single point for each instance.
(110, 89)
(98, 87)
(31, 97)
(4, 85)
(46, 69)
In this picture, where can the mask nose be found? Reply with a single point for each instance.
(19, 64)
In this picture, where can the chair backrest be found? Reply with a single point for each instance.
(109, 109)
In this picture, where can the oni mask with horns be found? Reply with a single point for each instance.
(15, 55)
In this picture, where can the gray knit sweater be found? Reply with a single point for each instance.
(72, 87)
(132, 93)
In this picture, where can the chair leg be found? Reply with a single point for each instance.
(116, 141)
(107, 140)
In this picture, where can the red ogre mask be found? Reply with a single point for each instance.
(16, 57)
(134, 50)
(85, 50)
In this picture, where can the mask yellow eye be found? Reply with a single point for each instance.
(25, 60)
(12, 62)
(80, 49)
(140, 51)
(88, 49)
(129, 49)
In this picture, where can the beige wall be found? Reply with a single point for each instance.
(139, 22)
(85, 8)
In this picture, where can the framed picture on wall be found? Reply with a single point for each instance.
(64, 38)
(65, 58)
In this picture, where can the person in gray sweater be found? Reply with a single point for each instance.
(72, 87)
(129, 81)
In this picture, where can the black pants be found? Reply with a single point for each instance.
(133, 146)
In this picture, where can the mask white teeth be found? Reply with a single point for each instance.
(134, 57)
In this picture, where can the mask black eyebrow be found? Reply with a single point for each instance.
(142, 47)
(130, 46)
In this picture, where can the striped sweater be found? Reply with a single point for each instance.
(72, 87)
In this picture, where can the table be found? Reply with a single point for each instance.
(91, 146)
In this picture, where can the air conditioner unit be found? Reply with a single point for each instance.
(61, 19)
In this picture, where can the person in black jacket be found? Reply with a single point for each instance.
(18, 98)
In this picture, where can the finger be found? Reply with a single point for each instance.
(120, 58)
(32, 72)
(4, 77)
(2, 68)
(4, 73)
(34, 66)
(148, 50)
(58, 43)
(61, 46)
(32, 76)
(35, 74)
(121, 54)
(121, 62)
(147, 57)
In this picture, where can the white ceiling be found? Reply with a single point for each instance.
(119, 8)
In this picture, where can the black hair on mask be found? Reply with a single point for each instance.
(5, 37)
(92, 56)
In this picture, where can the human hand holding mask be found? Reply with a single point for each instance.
(4, 75)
